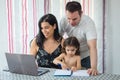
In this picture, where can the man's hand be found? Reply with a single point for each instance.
(92, 71)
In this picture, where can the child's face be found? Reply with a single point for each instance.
(70, 50)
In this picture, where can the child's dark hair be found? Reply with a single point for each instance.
(71, 41)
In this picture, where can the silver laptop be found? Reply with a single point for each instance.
(23, 64)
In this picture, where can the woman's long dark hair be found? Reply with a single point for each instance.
(51, 19)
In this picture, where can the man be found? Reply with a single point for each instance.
(83, 28)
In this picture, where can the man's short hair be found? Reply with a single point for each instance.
(73, 6)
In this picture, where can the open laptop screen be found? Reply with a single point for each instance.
(23, 64)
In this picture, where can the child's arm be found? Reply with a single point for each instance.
(78, 64)
(58, 60)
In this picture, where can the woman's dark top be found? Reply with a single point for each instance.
(44, 59)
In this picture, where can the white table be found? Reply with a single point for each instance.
(49, 76)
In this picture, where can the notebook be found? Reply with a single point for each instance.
(24, 64)
(61, 72)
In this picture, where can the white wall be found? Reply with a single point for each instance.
(98, 19)
(3, 32)
(112, 52)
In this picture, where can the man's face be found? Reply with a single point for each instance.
(73, 18)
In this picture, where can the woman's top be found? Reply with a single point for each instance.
(44, 59)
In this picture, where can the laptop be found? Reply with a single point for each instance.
(24, 64)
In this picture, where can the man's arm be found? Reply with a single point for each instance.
(62, 25)
(93, 57)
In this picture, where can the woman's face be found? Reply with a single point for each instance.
(47, 29)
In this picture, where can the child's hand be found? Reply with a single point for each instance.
(73, 68)
(64, 66)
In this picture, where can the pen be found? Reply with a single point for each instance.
(60, 67)
(68, 69)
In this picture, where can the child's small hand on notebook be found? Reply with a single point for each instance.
(63, 66)
(73, 69)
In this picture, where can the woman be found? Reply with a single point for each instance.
(47, 44)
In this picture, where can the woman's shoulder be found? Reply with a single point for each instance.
(62, 41)
(33, 47)
(34, 43)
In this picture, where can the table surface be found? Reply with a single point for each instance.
(49, 76)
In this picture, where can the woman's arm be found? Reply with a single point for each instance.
(33, 47)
